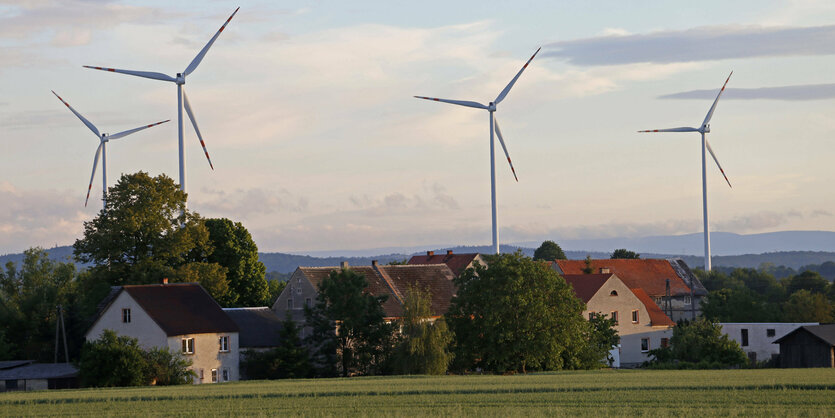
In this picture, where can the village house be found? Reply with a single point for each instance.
(757, 339)
(181, 317)
(393, 281)
(669, 283)
(641, 324)
(456, 262)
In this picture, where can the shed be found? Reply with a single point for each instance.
(39, 376)
(808, 346)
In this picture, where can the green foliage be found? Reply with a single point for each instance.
(211, 276)
(517, 315)
(806, 306)
(424, 346)
(165, 368)
(29, 299)
(699, 342)
(7, 349)
(588, 268)
(234, 249)
(113, 360)
(275, 287)
(549, 251)
(602, 337)
(739, 305)
(808, 280)
(624, 253)
(290, 360)
(361, 342)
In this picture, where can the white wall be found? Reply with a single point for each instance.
(207, 355)
(141, 326)
(758, 340)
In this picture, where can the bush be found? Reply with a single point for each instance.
(699, 344)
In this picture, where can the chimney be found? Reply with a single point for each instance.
(373, 263)
(343, 265)
(430, 253)
(604, 270)
(165, 280)
(448, 252)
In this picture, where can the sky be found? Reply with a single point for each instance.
(306, 109)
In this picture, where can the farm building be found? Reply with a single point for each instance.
(758, 339)
(27, 375)
(181, 317)
(808, 346)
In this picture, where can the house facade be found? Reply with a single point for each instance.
(641, 325)
(757, 339)
(182, 318)
(667, 282)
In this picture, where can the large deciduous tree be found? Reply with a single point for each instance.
(424, 345)
(518, 315)
(234, 249)
(549, 251)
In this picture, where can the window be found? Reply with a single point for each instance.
(614, 293)
(214, 375)
(614, 316)
(11, 384)
(188, 345)
(290, 302)
(126, 315)
(635, 316)
(770, 332)
(307, 302)
(744, 342)
(223, 341)
(644, 344)
(591, 315)
(665, 342)
(687, 300)
(225, 375)
(200, 374)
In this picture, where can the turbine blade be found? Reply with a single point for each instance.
(501, 141)
(145, 74)
(95, 164)
(196, 129)
(196, 61)
(130, 131)
(455, 102)
(506, 90)
(683, 129)
(712, 108)
(717, 162)
(83, 119)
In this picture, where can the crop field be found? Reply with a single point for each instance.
(775, 392)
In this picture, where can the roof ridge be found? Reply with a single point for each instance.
(389, 282)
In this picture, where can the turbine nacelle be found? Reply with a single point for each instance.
(491, 107)
(180, 80)
(705, 128)
(104, 137)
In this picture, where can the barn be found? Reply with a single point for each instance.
(808, 346)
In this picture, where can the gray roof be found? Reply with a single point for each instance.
(14, 363)
(825, 333)
(39, 371)
(258, 327)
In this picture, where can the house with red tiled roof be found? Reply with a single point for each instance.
(181, 317)
(642, 326)
(456, 262)
(669, 283)
(393, 281)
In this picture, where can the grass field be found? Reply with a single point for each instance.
(775, 392)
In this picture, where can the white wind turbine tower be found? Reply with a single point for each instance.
(182, 99)
(705, 128)
(491, 108)
(102, 149)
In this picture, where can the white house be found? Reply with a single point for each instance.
(757, 338)
(181, 317)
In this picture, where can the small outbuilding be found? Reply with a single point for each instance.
(808, 346)
(38, 376)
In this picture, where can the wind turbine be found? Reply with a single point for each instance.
(491, 108)
(102, 149)
(705, 128)
(182, 99)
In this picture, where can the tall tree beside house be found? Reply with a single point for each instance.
(518, 315)
(699, 344)
(624, 253)
(549, 251)
(806, 306)
(424, 344)
(602, 337)
(348, 326)
(290, 360)
(234, 249)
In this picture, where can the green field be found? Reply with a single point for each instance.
(775, 392)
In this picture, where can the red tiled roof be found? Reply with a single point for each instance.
(394, 281)
(586, 285)
(181, 308)
(657, 317)
(456, 262)
(649, 274)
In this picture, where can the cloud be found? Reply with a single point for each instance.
(706, 43)
(432, 197)
(42, 218)
(244, 203)
(791, 93)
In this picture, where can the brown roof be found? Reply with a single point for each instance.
(657, 317)
(649, 274)
(181, 308)
(586, 285)
(456, 262)
(394, 281)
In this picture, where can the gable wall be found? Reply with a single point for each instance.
(141, 326)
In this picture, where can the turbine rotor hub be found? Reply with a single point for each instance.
(491, 107)
(181, 79)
